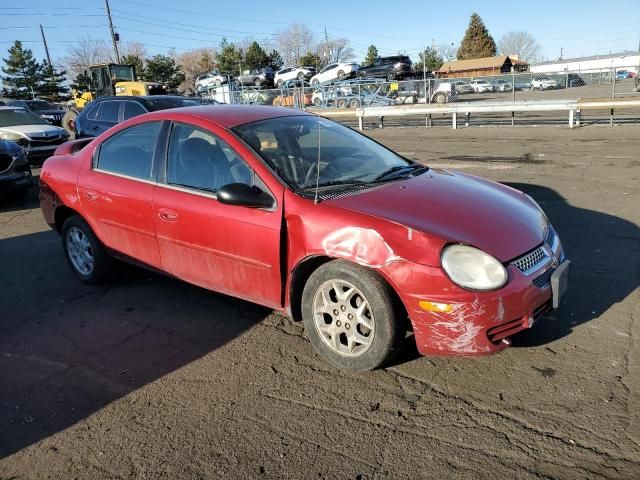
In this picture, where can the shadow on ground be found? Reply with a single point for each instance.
(605, 255)
(67, 349)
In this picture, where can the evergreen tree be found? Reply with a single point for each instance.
(255, 56)
(433, 61)
(163, 69)
(477, 41)
(138, 64)
(82, 83)
(310, 59)
(372, 55)
(230, 58)
(22, 72)
(52, 85)
(275, 60)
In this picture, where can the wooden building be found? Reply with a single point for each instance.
(480, 67)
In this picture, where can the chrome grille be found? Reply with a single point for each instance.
(530, 260)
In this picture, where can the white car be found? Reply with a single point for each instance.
(335, 71)
(37, 136)
(293, 73)
(480, 86)
(543, 83)
(209, 80)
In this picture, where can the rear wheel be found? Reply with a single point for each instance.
(440, 98)
(354, 103)
(317, 101)
(391, 75)
(341, 75)
(300, 76)
(84, 252)
(341, 103)
(349, 316)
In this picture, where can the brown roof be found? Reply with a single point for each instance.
(476, 64)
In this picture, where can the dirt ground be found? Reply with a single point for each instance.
(152, 378)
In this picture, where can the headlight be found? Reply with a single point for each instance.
(12, 137)
(472, 268)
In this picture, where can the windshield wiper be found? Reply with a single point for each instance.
(397, 169)
(333, 183)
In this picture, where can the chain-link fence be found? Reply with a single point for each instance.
(345, 94)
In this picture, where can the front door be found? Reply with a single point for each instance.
(117, 190)
(230, 249)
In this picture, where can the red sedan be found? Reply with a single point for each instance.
(306, 216)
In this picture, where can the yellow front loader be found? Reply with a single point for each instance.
(105, 80)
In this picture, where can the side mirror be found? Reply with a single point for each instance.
(243, 195)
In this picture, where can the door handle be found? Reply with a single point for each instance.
(91, 195)
(167, 215)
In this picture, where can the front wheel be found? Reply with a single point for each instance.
(391, 75)
(350, 317)
(341, 75)
(84, 252)
(440, 98)
(69, 122)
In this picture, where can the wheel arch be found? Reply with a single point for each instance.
(61, 214)
(305, 267)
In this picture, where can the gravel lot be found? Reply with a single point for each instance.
(149, 377)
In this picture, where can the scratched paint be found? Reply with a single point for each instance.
(361, 245)
(460, 330)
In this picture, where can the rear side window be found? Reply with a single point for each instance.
(94, 111)
(131, 151)
(132, 109)
(109, 112)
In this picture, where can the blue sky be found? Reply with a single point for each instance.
(579, 27)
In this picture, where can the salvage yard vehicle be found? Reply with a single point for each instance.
(481, 86)
(389, 68)
(462, 87)
(211, 79)
(260, 77)
(102, 114)
(544, 83)
(293, 73)
(15, 171)
(335, 71)
(308, 217)
(501, 86)
(37, 136)
(45, 110)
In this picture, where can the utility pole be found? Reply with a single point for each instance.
(46, 48)
(114, 36)
(326, 45)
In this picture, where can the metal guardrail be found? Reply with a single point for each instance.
(572, 107)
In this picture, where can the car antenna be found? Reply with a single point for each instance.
(315, 199)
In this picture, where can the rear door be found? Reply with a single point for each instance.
(230, 249)
(106, 117)
(116, 191)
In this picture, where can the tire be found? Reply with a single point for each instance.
(354, 103)
(69, 116)
(391, 75)
(341, 103)
(257, 82)
(440, 98)
(280, 82)
(341, 75)
(317, 102)
(367, 347)
(85, 254)
(218, 82)
(361, 75)
(300, 76)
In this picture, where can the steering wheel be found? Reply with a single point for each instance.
(312, 173)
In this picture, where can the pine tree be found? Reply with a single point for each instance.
(477, 42)
(310, 60)
(372, 55)
(433, 61)
(255, 56)
(275, 60)
(138, 65)
(52, 85)
(163, 69)
(22, 72)
(230, 58)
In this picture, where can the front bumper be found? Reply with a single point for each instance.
(472, 323)
(16, 180)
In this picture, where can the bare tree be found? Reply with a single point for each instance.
(339, 50)
(133, 48)
(195, 63)
(522, 44)
(447, 51)
(85, 52)
(294, 42)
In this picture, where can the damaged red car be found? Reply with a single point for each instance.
(306, 216)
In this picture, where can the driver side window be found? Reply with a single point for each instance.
(200, 160)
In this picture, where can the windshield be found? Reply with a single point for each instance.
(122, 72)
(39, 105)
(292, 145)
(11, 117)
(169, 102)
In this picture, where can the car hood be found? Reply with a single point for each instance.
(457, 207)
(38, 131)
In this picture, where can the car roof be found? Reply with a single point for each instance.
(227, 116)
